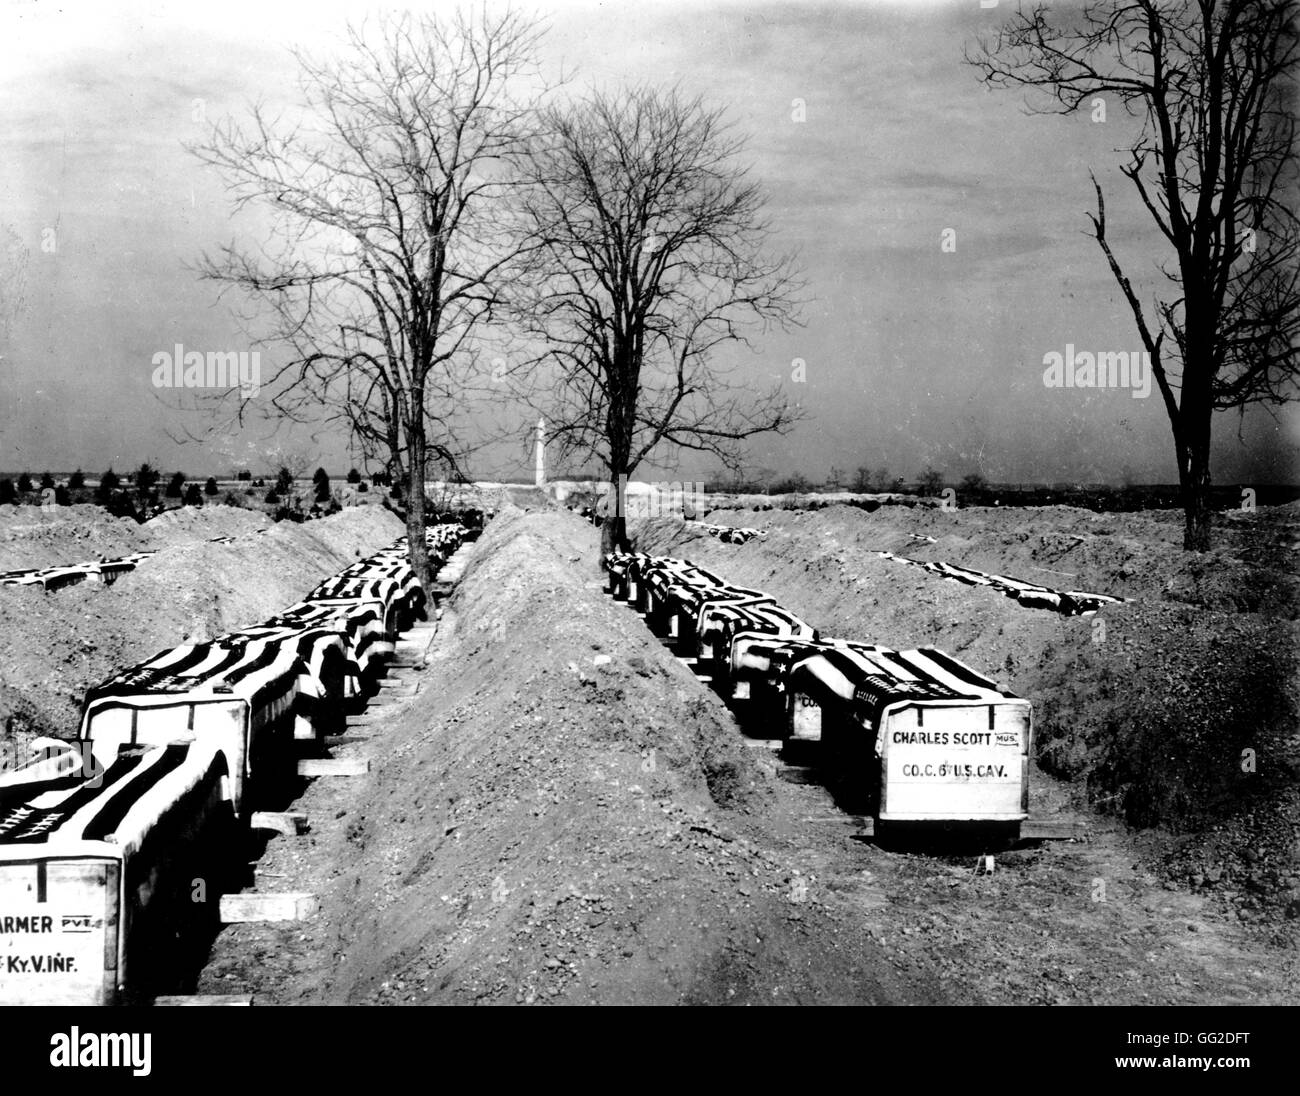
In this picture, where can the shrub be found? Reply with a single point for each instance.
(322, 482)
(77, 481)
(62, 496)
(146, 477)
(354, 476)
(210, 488)
(24, 483)
(121, 506)
(272, 497)
(176, 486)
(193, 497)
(8, 494)
(244, 474)
(930, 483)
(284, 481)
(47, 481)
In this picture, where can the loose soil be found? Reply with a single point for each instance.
(565, 814)
(1177, 711)
(60, 643)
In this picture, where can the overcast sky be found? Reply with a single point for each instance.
(915, 355)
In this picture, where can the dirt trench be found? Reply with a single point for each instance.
(565, 814)
(58, 644)
(1179, 716)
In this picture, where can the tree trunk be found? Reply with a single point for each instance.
(1194, 470)
(418, 550)
(1195, 482)
(613, 530)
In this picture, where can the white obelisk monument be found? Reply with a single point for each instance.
(540, 475)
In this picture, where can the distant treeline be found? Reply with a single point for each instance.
(1100, 497)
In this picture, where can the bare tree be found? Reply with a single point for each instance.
(387, 255)
(647, 257)
(1214, 166)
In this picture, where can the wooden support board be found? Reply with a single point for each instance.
(289, 823)
(206, 999)
(1051, 829)
(237, 908)
(1032, 829)
(333, 766)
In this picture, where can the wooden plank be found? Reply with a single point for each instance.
(289, 823)
(226, 999)
(1051, 829)
(240, 908)
(333, 740)
(333, 766)
(367, 720)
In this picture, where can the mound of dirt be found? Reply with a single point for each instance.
(564, 814)
(188, 524)
(31, 536)
(1251, 569)
(1149, 707)
(59, 644)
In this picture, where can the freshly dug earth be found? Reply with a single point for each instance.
(188, 524)
(58, 644)
(564, 814)
(1179, 710)
(34, 537)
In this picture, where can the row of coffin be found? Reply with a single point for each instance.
(104, 570)
(1029, 594)
(55, 578)
(729, 534)
(103, 843)
(913, 735)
